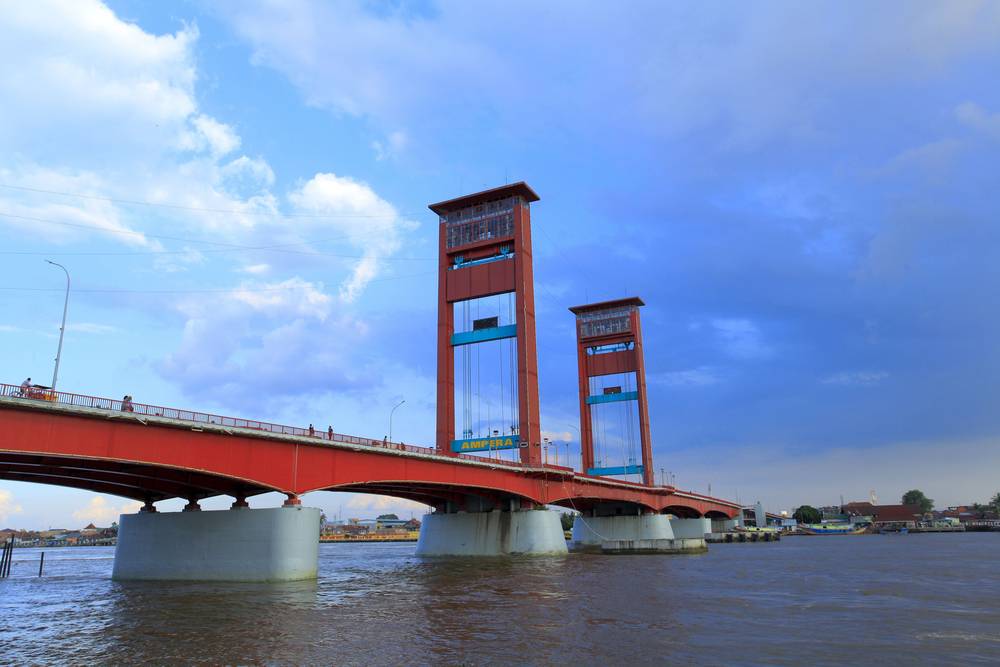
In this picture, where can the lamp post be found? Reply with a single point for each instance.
(390, 417)
(62, 329)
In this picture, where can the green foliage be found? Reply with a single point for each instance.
(387, 517)
(995, 503)
(979, 510)
(917, 497)
(567, 520)
(807, 514)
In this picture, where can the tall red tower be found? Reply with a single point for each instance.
(485, 251)
(609, 343)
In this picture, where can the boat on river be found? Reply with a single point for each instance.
(832, 529)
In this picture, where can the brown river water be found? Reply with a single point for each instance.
(858, 600)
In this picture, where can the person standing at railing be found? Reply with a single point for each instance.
(25, 386)
(329, 433)
(127, 403)
(312, 431)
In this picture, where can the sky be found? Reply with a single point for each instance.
(804, 195)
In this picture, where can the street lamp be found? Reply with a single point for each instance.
(390, 417)
(62, 329)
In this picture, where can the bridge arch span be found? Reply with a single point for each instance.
(682, 511)
(440, 495)
(608, 504)
(142, 481)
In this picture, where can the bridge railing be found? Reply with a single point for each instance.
(39, 393)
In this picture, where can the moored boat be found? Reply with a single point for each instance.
(831, 529)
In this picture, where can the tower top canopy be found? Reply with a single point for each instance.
(519, 189)
(607, 305)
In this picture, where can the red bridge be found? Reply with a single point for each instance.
(153, 453)
(483, 504)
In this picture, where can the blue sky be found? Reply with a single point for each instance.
(804, 196)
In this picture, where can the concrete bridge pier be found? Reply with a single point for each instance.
(498, 531)
(240, 544)
(691, 528)
(724, 525)
(619, 528)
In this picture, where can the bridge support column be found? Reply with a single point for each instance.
(240, 503)
(148, 508)
(495, 533)
(691, 528)
(630, 533)
(192, 506)
(278, 544)
(724, 525)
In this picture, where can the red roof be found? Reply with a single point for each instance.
(884, 512)
(896, 512)
(604, 305)
(520, 188)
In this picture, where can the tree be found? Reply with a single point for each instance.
(979, 510)
(567, 520)
(917, 497)
(995, 502)
(807, 514)
(387, 517)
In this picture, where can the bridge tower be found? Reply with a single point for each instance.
(609, 344)
(485, 251)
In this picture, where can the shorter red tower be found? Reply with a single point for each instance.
(609, 343)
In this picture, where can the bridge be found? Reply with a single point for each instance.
(491, 503)
(152, 453)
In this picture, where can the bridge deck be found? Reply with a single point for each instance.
(110, 411)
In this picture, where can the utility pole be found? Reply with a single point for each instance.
(62, 328)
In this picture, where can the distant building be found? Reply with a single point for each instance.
(890, 517)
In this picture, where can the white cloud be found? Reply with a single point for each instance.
(384, 505)
(369, 223)
(294, 297)
(92, 84)
(702, 376)
(740, 338)
(8, 507)
(256, 269)
(91, 328)
(393, 145)
(933, 159)
(100, 512)
(755, 73)
(974, 116)
(264, 341)
(557, 436)
(219, 138)
(856, 378)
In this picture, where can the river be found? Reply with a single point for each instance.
(889, 600)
